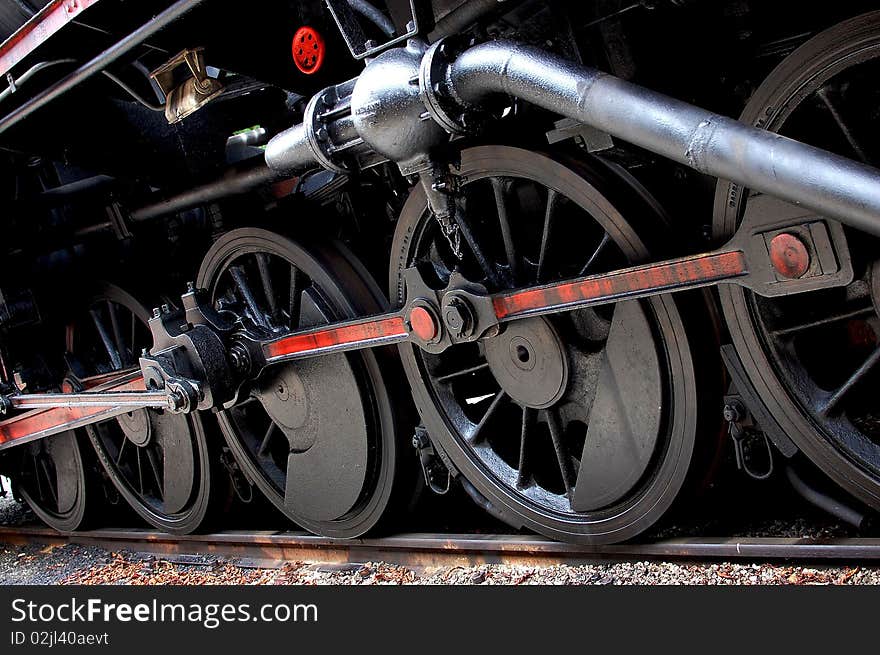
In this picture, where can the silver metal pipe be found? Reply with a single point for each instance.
(291, 150)
(828, 184)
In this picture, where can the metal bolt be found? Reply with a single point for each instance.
(420, 438)
(240, 359)
(157, 312)
(166, 309)
(177, 400)
(458, 318)
(732, 412)
(789, 256)
(190, 287)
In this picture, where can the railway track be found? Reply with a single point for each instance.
(423, 550)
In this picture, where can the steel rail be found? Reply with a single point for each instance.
(269, 548)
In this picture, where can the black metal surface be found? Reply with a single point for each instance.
(97, 64)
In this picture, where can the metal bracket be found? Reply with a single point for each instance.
(194, 92)
(433, 467)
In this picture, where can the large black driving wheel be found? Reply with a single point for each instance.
(318, 437)
(160, 462)
(53, 477)
(814, 358)
(582, 425)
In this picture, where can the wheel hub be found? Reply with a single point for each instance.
(528, 360)
(136, 427)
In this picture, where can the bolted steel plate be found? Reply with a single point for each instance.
(173, 432)
(61, 449)
(626, 416)
(317, 404)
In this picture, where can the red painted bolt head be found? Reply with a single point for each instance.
(423, 324)
(308, 49)
(789, 256)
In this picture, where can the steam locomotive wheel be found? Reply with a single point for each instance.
(318, 437)
(158, 461)
(582, 425)
(813, 358)
(52, 479)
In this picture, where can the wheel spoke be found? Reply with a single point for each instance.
(475, 436)
(115, 361)
(295, 299)
(853, 380)
(121, 450)
(156, 475)
(266, 279)
(836, 318)
(498, 185)
(264, 445)
(244, 290)
(606, 239)
(522, 473)
(842, 124)
(457, 374)
(134, 322)
(553, 424)
(552, 200)
(37, 475)
(137, 452)
(117, 334)
(475, 248)
(48, 475)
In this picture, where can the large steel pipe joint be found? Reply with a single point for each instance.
(388, 111)
(326, 138)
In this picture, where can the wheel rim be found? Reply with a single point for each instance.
(317, 436)
(158, 461)
(813, 357)
(540, 444)
(51, 478)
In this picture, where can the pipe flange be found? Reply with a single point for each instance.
(316, 129)
(445, 111)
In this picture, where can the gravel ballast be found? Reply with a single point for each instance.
(73, 564)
